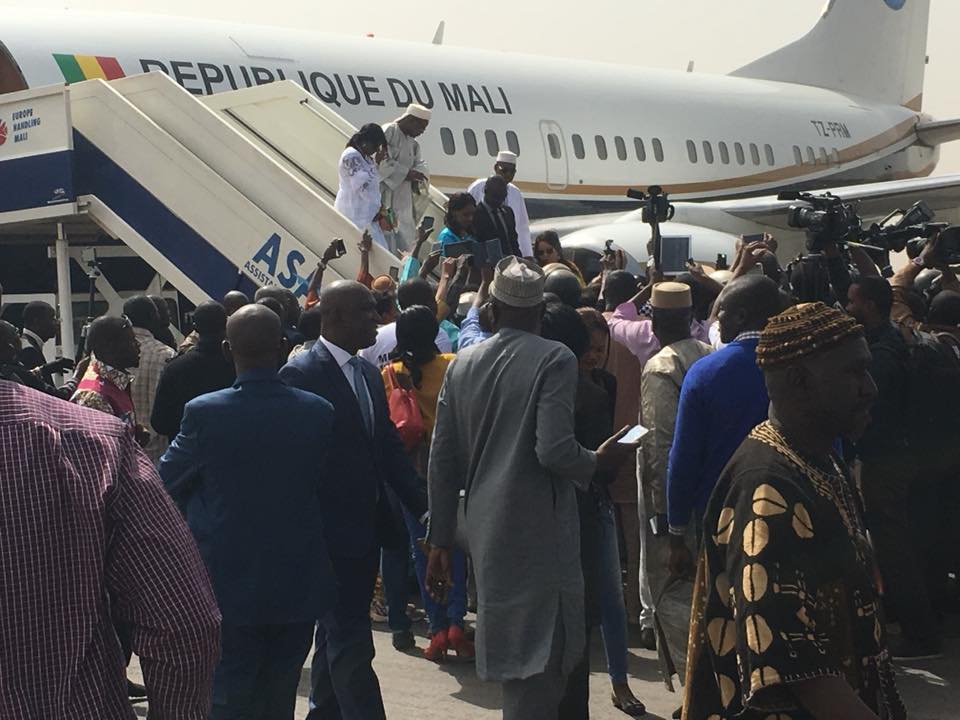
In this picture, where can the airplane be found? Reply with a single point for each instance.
(835, 107)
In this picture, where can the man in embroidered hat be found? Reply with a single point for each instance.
(506, 167)
(504, 434)
(404, 176)
(660, 383)
(786, 604)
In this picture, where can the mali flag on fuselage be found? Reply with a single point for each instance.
(87, 67)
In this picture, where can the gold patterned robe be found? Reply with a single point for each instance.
(785, 590)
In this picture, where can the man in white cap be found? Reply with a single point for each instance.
(504, 434)
(404, 175)
(660, 382)
(506, 167)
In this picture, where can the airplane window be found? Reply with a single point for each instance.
(658, 149)
(724, 153)
(823, 156)
(741, 158)
(601, 147)
(513, 143)
(554, 142)
(708, 152)
(578, 146)
(755, 153)
(797, 155)
(640, 149)
(811, 156)
(446, 138)
(470, 140)
(692, 151)
(768, 151)
(835, 156)
(621, 148)
(493, 144)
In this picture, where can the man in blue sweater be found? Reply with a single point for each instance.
(723, 398)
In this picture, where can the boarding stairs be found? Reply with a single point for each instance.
(231, 191)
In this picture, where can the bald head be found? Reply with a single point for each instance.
(234, 300)
(349, 315)
(255, 338)
(9, 342)
(746, 304)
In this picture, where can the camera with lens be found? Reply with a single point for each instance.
(949, 242)
(656, 204)
(826, 219)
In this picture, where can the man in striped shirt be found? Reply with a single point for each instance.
(88, 535)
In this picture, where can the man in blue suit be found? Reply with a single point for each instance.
(248, 469)
(368, 462)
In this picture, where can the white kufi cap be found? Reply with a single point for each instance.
(505, 156)
(417, 111)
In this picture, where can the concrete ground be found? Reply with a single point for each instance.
(414, 689)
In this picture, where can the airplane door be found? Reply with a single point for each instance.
(555, 153)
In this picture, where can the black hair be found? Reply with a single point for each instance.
(310, 323)
(945, 308)
(276, 306)
(386, 302)
(107, 330)
(564, 324)
(417, 329)
(618, 287)
(210, 320)
(457, 201)
(36, 311)
(371, 133)
(286, 298)
(551, 237)
(564, 285)
(878, 291)
(415, 291)
(142, 312)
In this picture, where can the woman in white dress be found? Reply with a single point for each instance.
(358, 197)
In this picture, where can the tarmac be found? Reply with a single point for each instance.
(416, 689)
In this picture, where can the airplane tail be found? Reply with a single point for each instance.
(875, 49)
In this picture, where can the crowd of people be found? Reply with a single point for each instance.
(222, 505)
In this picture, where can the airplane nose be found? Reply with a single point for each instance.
(11, 77)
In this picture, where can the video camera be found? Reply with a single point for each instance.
(828, 219)
(656, 209)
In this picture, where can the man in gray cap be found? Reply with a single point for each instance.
(504, 434)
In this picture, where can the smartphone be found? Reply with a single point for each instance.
(634, 435)
(341, 248)
(608, 246)
(756, 237)
(674, 253)
(427, 223)
(394, 273)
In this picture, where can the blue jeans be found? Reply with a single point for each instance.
(439, 616)
(613, 613)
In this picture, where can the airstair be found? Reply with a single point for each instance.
(232, 191)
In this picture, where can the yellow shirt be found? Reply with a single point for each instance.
(429, 390)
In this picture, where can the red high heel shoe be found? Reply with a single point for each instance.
(436, 651)
(458, 641)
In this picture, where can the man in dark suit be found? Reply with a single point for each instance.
(39, 326)
(249, 470)
(368, 460)
(494, 219)
(193, 373)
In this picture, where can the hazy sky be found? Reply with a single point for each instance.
(719, 35)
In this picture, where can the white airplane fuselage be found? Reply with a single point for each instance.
(585, 131)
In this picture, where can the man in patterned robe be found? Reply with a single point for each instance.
(786, 619)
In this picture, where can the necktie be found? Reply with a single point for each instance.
(362, 393)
